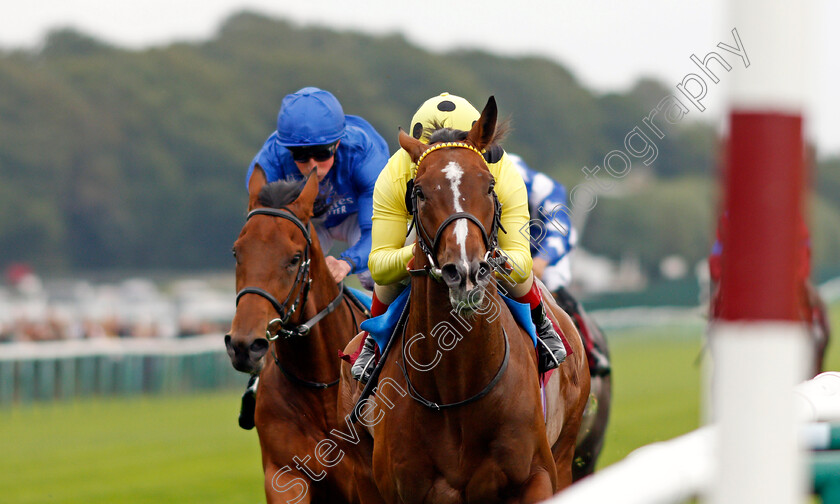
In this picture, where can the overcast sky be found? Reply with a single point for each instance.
(608, 44)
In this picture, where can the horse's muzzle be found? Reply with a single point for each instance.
(467, 283)
(246, 357)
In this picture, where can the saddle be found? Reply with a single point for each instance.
(383, 329)
(385, 326)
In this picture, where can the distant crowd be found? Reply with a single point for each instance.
(31, 310)
(53, 328)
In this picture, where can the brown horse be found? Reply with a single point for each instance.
(278, 257)
(457, 416)
(596, 416)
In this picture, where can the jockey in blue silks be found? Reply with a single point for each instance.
(347, 154)
(552, 238)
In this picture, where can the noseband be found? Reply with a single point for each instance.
(302, 283)
(430, 246)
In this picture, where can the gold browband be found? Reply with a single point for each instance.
(444, 145)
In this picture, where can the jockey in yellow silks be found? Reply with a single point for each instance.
(390, 254)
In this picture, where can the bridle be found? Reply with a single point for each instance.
(303, 281)
(494, 257)
(430, 246)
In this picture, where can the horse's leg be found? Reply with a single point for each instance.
(593, 428)
(367, 491)
(537, 489)
(564, 454)
(286, 485)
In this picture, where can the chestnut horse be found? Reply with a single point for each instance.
(460, 416)
(278, 257)
(593, 429)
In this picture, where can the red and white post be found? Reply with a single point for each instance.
(760, 349)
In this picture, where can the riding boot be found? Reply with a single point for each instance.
(365, 362)
(363, 367)
(550, 347)
(249, 403)
(599, 365)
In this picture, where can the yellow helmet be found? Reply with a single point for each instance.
(444, 110)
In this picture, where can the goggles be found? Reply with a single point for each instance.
(316, 152)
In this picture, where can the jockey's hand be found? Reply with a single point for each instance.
(338, 268)
(539, 267)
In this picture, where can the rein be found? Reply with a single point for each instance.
(430, 246)
(415, 394)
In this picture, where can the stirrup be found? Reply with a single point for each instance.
(551, 350)
(550, 358)
(363, 367)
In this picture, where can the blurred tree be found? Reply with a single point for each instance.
(136, 159)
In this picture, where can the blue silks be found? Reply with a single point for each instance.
(382, 327)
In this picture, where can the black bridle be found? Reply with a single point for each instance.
(303, 281)
(430, 246)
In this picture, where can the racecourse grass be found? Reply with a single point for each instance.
(190, 449)
(134, 450)
(656, 387)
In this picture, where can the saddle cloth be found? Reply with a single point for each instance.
(382, 327)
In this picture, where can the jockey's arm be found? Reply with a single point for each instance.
(514, 199)
(389, 255)
(364, 181)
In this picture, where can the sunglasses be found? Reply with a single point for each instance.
(316, 152)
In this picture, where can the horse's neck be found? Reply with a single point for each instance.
(455, 354)
(313, 357)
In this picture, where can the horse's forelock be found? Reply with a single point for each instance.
(284, 192)
(437, 133)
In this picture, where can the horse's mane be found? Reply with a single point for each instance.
(283, 192)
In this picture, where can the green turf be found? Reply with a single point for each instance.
(190, 449)
(140, 450)
(656, 388)
(657, 385)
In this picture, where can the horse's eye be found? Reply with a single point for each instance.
(419, 192)
(295, 260)
(233, 251)
(492, 186)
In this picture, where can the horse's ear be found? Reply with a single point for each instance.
(306, 201)
(255, 184)
(482, 132)
(414, 147)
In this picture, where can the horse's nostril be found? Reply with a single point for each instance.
(450, 273)
(227, 341)
(482, 271)
(259, 347)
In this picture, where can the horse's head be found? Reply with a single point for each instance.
(455, 207)
(272, 266)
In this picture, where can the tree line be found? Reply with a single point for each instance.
(114, 158)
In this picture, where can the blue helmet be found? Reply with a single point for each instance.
(310, 116)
